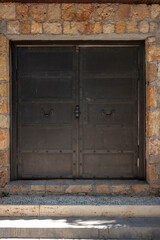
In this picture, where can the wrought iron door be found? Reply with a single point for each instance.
(78, 111)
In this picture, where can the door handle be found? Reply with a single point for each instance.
(77, 111)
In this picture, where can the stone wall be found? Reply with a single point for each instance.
(78, 22)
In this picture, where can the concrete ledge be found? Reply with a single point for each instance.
(79, 211)
(80, 228)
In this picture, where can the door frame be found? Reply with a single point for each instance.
(141, 95)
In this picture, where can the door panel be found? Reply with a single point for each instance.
(109, 106)
(46, 125)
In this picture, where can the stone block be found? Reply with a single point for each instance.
(144, 26)
(36, 27)
(155, 10)
(154, 159)
(121, 189)
(147, 149)
(4, 66)
(4, 106)
(85, 12)
(108, 28)
(4, 43)
(38, 12)
(102, 189)
(153, 26)
(4, 138)
(78, 189)
(37, 188)
(153, 123)
(54, 11)
(151, 96)
(105, 11)
(68, 11)
(4, 158)
(132, 26)
(22, 11)
(151, 72)
(4, 89)
(154, 146)
(26, 27)
(84, 27)
(97, 28)
(4, 121)
(4, 176)
(140, 11)
(120, 27)
(140, 189)
(7, 11)
(17, 189)
(13, 27)
(153, 172)
(52, 28)
(153, 52)
(123, 11)
(55, 189)
(70, 28)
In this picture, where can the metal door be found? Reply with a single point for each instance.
(77, 111)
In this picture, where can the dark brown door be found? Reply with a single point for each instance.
(77, 112)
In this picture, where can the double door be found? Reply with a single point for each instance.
(77, 111)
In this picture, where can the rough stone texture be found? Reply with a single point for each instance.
(154, 159)
(4, 43)
(4, 173)
(140, 189)
(54, 11)
(123, 189)
(153, 52)
(68, 11)
(140, 11)
(13, 27)
(4, 66)
(152, 71)
(38, 11)
(97, 28)
(26, 27)
(108, 28)
(4, 138)
(153, 123)
(4, 121)
(7, 11)
(4, 105)
(85, 12)
(153, 26)
(4, 89)
(70, 28)
(123, 11)
(36, 27)
(105, 11)
(22, 11)
(79, 189)
(132, 26)
(4, 158)
(144, 26)
(120, 27)
(154, 146)
(57, 189)
(84, 27)
(155, 10)
(103, 189)
(152, 172)
(151, 97)
(52, 28)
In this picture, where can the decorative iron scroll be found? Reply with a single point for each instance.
(86, 1)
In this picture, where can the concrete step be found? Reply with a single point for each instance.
(80, 206)
(80, 228)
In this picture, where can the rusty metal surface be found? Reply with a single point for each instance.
(86, 1)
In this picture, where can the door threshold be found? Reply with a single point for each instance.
(81, 187)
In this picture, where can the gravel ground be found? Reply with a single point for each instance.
(79, 200)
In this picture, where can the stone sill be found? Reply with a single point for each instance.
(82, 187)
